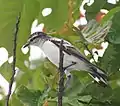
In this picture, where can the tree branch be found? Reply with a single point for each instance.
(61, 81)
(14, 60)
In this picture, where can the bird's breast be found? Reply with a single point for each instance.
(51, 51)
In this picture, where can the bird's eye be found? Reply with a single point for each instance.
(31, 40)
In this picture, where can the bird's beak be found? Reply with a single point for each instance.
(26, 45)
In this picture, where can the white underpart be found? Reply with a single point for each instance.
(36, 56)
(36, 53)
(3, 55)
(46, 11)
(52, 52)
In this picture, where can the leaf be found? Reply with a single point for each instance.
(6, 71)
(92, 10)
(115, 97)
(113, 36)
(9, 11)
(29, 12)
(38, 80)
(109, 61)
(98, 92)
(111, 13)
(66, 101)
(85, 99)
(15, 101)
(76, 11)
(59, 13)
(73, 101)
(75, 87)
(30, 97)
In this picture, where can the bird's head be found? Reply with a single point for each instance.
(37, 39)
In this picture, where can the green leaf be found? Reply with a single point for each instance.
(92, 10)
(9, 11)
(73, 101)
(6, 71)
(37, 80)
(59, 13)
(15, 101)
(29, 12)
(113, 36)
(115, 97)
(109, 61)
(66, 101)
(76, 11)
(30, 97)
(110, 14)
(75, 87)
(98, 92)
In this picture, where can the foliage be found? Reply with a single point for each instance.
(38, 87)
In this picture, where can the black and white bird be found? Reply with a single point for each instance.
(73, 59)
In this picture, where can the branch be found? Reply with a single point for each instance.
(61, 81)
(14, 60)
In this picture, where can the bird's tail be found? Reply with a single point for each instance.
(98, 75)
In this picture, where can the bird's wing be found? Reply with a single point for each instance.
(69, 49)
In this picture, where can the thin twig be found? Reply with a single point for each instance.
(14, 60)
(61, 81)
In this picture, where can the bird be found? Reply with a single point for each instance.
(73, 58)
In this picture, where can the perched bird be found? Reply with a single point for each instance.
(73, 59)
